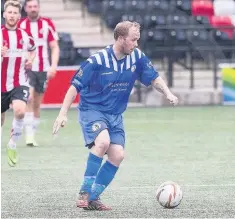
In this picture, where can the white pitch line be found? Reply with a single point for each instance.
(116, 189)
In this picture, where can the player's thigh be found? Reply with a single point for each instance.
(117, 132)
(103, 139)
(19, 108)
(94, 128)
(5, 101)
(41, 84)
(101, 143)
(115, 154)
(19, 98)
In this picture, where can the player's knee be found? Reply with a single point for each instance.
(117, 158)
(102, 145)
(19, 113)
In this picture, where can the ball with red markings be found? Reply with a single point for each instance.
(169, 194)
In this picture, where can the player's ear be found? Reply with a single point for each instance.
(4, 16)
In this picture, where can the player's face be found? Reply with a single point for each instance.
(32, 9)
(11, 15)
(131, 41)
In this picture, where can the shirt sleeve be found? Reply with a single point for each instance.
(83, 76)
(52, 34)
(147, 73)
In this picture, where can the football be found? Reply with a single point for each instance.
(169, 194)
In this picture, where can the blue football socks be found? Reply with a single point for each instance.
(103, 179)
(93, 166)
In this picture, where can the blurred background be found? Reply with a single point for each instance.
(190, 42)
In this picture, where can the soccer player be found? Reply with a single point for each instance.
(17, 54)
(45, 37)
(104, 82)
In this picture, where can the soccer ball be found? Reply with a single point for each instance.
(169, 194)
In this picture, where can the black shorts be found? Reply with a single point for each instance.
(38, 80)
(18, 93)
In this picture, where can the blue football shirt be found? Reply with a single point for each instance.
(105, 83)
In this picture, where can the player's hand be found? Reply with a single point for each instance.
(51, 73)
(172, 99)
(59, 122)
(3, 50)
(28, 64)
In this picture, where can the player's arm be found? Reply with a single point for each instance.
(3, 50)
(55, 50)
(55, 54)
(4, 47)
(149, 76)
(80, 80)
(160, 85)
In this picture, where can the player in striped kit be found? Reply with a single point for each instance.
(104, 83)
(45, 37)
(17, 54)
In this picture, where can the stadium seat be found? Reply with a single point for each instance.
(155, 52)
(222, 38)
(112, 18)
(177, 37)
(224, 7)
(133, 17)
(156, 6)
(135, 6)
(223, 23)
(182, 5)
(178, 19)
(202, 8)
(81, 54)
(154, 20)
(94, 6)
(112, 12)
(110, 5)
(65, 39)
(67, 52)
(199, 37)
(154, 37)
(203, 20)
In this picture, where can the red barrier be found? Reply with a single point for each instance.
(58, 86)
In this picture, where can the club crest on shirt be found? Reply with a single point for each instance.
(133, 67)
(80, 72)
(96, 126)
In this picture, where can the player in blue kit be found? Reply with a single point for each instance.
(104, 83)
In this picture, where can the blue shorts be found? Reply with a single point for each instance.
(93, 122)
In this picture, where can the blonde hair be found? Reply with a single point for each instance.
(14, 3)
(122, 28)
